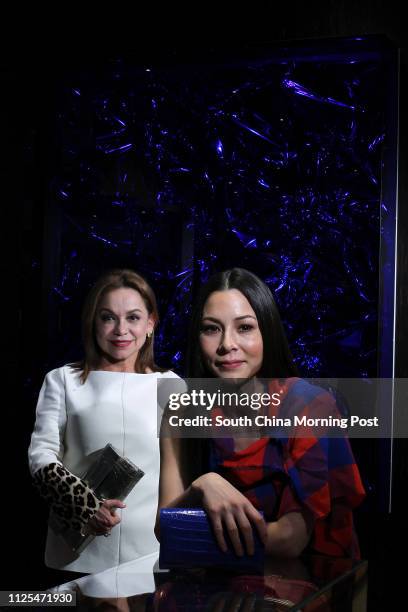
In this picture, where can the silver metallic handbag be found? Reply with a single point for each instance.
(111, 476)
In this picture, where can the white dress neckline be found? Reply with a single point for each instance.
(119, 372)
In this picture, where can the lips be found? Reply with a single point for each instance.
(121, 343)
(229, 364)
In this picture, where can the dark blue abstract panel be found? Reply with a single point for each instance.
(272, 163)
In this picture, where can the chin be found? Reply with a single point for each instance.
(233, 375)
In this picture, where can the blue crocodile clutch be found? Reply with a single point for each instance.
(187, 540)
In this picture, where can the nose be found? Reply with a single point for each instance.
(228, 342)
(121, 327)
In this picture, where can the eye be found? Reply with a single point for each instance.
(134, 317)
(107, 317)
(209, 329)
(246, 327)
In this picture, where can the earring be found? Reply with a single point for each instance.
(149, 334)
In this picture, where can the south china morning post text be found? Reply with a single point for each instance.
(272, 422)
(212, 412)
(260, 420)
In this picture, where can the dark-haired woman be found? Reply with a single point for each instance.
(306, 487)
(109, 397)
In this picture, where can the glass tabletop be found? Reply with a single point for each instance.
(310, 583)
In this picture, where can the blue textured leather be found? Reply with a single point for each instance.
(187, 540)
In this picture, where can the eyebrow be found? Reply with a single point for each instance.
(236, 318)
(128, 312)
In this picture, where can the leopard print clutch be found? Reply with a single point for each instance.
(70, 497)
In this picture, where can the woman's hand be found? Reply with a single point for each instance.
(228, 508)
(105, 518)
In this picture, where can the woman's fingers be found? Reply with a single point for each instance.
(229, 509)
(245, 529)
(108, 510)
(106, 518)
(218, 530)
(234, 533)
(115, 520)
(108, 521)
(112, 504)
(258, 521)
(239, 526)
(96, 529)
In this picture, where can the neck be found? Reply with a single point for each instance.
(115, 366)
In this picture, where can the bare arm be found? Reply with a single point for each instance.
(172, 490)
(288, 536)
(227, 508)
(225, 505)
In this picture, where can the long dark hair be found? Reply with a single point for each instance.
(277, 358)
(116, 279)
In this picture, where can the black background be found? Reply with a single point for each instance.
(34, 56)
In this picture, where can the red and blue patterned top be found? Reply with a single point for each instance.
(314, 475)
